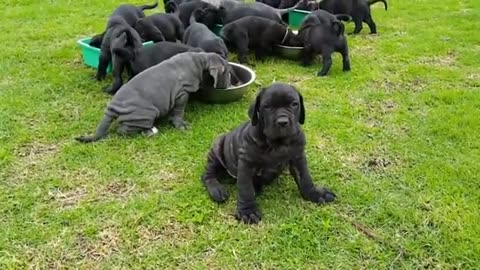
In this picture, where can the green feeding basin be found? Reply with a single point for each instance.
(233, 93)
(217, 28)
(295, 17)
(90, 54)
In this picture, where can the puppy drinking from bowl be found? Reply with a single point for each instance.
(161, 90)
(257, 151)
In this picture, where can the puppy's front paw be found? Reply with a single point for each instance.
(321, 195)
(321, 73)
(249, 215)
(217, 192)
(180, 124)
(108, 89)
(100, 76)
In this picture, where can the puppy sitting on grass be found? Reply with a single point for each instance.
(256, 152)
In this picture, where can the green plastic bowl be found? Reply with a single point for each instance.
(90, 54)
(234, 93)
(217, 28)
(295, 17)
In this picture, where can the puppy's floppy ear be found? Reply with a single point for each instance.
(338, 28)
(215, 69)
(254, 110)
(301, 117)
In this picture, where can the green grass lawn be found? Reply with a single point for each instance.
(397, 139)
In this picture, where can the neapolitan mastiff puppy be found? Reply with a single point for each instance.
(256, 152)
(160, 91)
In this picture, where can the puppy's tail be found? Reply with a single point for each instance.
(101, 130)
(195, 14)
(371, 2)
(96, 40)
(343, 17)
(286, 10)
(338, 28)
(172, 7)
(154, 5)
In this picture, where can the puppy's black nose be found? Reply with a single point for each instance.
(282, 121)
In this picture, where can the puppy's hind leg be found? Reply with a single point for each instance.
(371, 24)
(178, 111)
(118, 66)
(215, 189)
(327, 61)
(103, 61)
(307, 55)
(241, 43)
(345, 57)
(358, 25)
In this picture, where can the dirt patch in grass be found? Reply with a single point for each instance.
(448, 60)
(105, 244)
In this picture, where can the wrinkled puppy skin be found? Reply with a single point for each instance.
(144, 57)
(162, 90)
(259, 150)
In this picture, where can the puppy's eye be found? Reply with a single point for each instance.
(295, 104)
(267, 107)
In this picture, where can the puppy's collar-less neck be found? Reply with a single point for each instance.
(285, 37)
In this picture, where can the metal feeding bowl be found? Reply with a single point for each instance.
(288, 52)
(246, 77)
(293, 53)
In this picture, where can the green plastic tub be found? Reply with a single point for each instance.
(217, 28)
(295, 17)
(90, 54)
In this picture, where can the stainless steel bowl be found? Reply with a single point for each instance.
(233, 93)
(289, 52)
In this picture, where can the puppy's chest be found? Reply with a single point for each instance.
(271, 160)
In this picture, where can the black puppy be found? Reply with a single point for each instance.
(127, 12)
(198, 35)
(258, 151)
(257, 9)
(160, 26)
(256, 33)
(142, 58)
(322, 33)
(358, 9)
(279, 3)
(209, 17)
(119, 35)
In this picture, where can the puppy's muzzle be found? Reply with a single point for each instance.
(282, 121)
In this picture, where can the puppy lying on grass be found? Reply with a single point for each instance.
(160, 91)
(256, 152)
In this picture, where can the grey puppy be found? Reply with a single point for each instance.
(159, 91)
(256, 152)
(198, 35)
